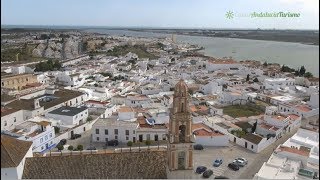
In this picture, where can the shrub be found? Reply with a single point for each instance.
(60, 147)
(70, 148)
(80, 147)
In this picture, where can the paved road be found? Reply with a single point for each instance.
(263, 156)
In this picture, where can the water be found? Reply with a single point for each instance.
(291, 54)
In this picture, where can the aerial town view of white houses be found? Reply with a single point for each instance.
(78, 104)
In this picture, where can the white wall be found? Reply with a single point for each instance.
(10, 121)
(213, 141)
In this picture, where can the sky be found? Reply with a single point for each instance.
(160, 13)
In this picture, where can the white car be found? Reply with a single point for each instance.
(239, 162)
(242, 159)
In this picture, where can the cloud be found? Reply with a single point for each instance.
(311, 6)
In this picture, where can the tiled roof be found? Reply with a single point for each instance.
(62, 95)
(7, 111)
(13, 151)
(134, 165)
(255, 139)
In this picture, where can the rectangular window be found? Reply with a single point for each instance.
(97, 131)
(115, 137)
(46, 137)
(106, 131)
(97, 138)
(134, 132)
(251, 146)
(127, 132)
(50, 135)
(115, 131)
(106, 139)
(14, 119)
(148, 136)
(127, 138)
(41, 140)
(42, 147)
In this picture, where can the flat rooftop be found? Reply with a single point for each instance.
(68, 111)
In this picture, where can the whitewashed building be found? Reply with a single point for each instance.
(13, 155)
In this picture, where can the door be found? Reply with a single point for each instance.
(134, 139)
(47, 146)
(245, 144)
(140, 137)
(156, 137)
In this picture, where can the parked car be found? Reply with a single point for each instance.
(91, 148)
(113, 143)
(233, 166)
(239, 162)
(201, 169)
(242, 159)
(207, 173)
(198, 147)
(217, 162)
(76, 136)
(221, 177)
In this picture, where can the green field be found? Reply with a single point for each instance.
(137, 49)
(242, 111)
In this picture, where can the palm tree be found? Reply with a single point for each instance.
(129, 143)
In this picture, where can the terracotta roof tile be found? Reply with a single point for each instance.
(13, 151)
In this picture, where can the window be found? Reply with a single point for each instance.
(115, 131)
(2, 83)
(97, 131)
(251, 146)
(134, 132)
(97, 138)
(86, 112)
(41, 140)
(106, 131)
(148, 136)
(127, 138)
(27, 79)
(14, 119)
(42, 147)
(51, 142)
(81, 115)
(50, 135)
(46, 137)
(115, 137)
(127, 132)
(107, 139)
(5, 123)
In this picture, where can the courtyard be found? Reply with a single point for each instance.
(242, 110)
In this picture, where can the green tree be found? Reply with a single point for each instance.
(80, 147)
(70, 148)
(265, 63)
(253, 129)
(302, 71)
(148, 143)
(56, 129)
(129, 144)
(308, 75)
(89, 118)
(60, 147)
(248, 77)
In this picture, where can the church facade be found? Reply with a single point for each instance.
(180, 142)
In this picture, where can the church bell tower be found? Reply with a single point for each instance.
(180, 143)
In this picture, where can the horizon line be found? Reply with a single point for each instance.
(147, 27)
